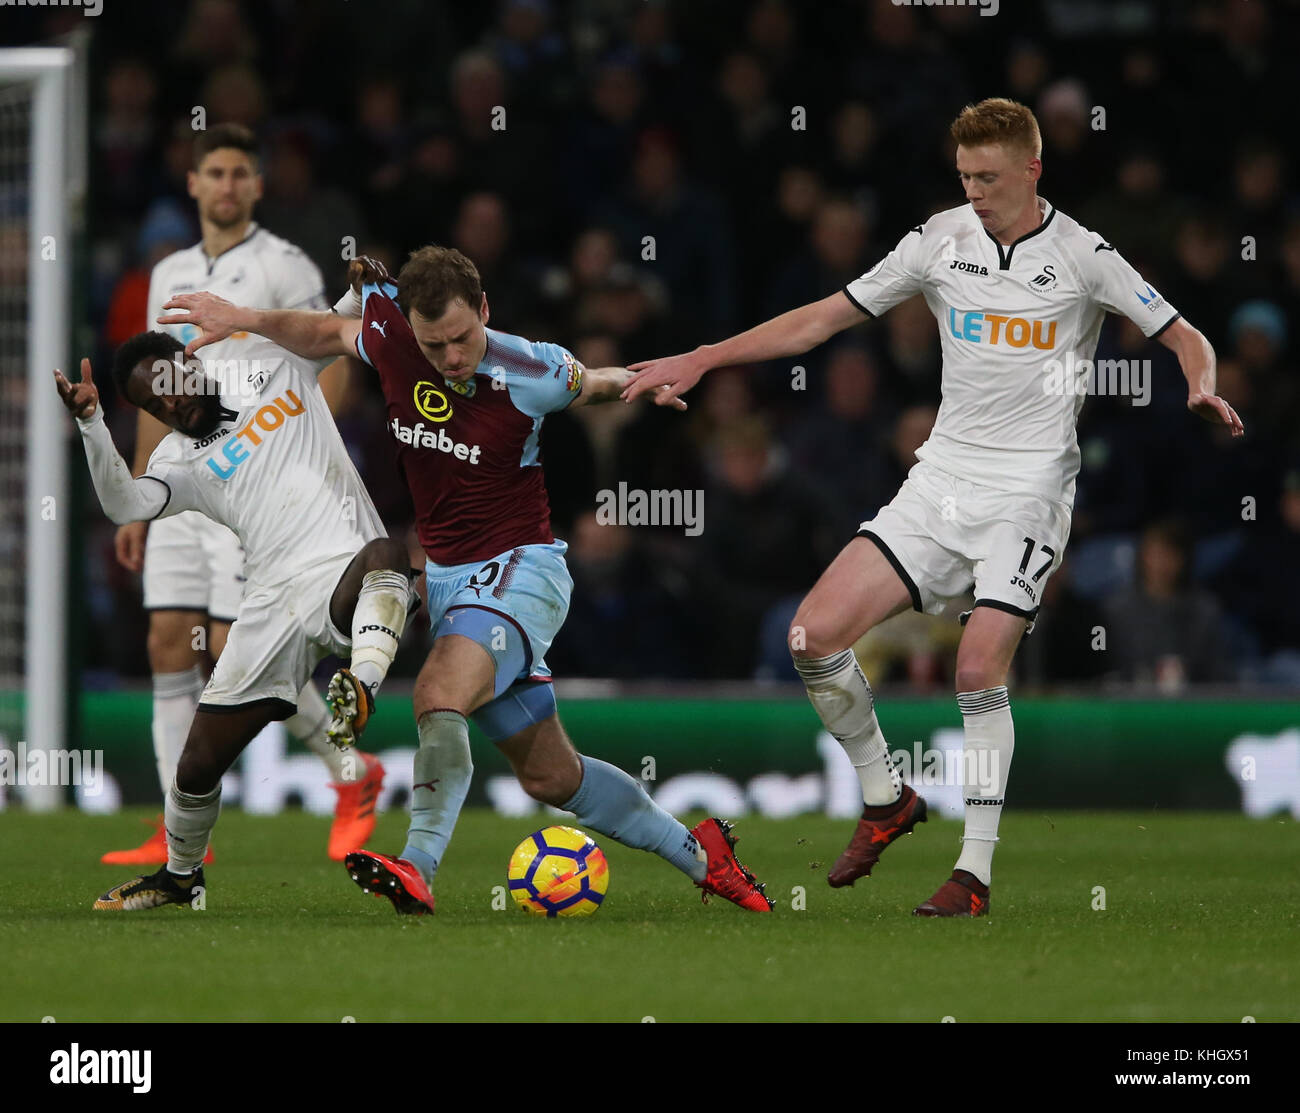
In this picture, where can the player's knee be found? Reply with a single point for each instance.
(979, 673)
(196, 773)
(551, 786)
(384, 553)
(796, 638)
(171, 641)
(810, 640)
(433, 695)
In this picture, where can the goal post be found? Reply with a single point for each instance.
(38, 128)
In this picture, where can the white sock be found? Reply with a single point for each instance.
(308, 726)
(843, 700)
(175, 696)
(189, 821)
(986, 760)
(377, 624)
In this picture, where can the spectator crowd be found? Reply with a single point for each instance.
(636, 177)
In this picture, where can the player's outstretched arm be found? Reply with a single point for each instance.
(306, 333)
(605, 384)
(336, 380)
(129, 541)
(790, 334)
(123, 497)
(1196, 358)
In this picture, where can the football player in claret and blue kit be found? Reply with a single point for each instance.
(465, 406)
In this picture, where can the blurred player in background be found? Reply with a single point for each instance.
(258, 451)
(1019, 291)
(465, 406)
(193, 567)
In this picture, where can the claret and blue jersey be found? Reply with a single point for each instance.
(469, 452)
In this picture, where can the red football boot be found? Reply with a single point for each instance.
(963, 894)
(394, 878)
(726, 876)
(354, 814)
(874, 833)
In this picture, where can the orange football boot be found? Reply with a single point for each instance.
(151, 852)
(354, 814)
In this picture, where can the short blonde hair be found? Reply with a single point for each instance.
(998, 120)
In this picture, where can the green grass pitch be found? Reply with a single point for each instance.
(1201, 922)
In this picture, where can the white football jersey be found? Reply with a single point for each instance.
(262, 271)
(1013, 321)
(275, 470)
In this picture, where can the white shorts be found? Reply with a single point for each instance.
(278, 639)
(942, 534)
(193, 564)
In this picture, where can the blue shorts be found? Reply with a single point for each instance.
(513, 605)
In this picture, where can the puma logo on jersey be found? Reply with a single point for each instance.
(380, 328)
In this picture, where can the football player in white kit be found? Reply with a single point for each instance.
(193, 567)
(1019, 291)
(256, 449)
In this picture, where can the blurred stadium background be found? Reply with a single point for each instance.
(627, 119)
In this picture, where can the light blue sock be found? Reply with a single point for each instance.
(611, 802)
(443, 769)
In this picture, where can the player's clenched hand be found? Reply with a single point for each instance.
(128, 544)
(1213, 408)
(215, 318)
(81, 398)
(674, 374)
(364, 269)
